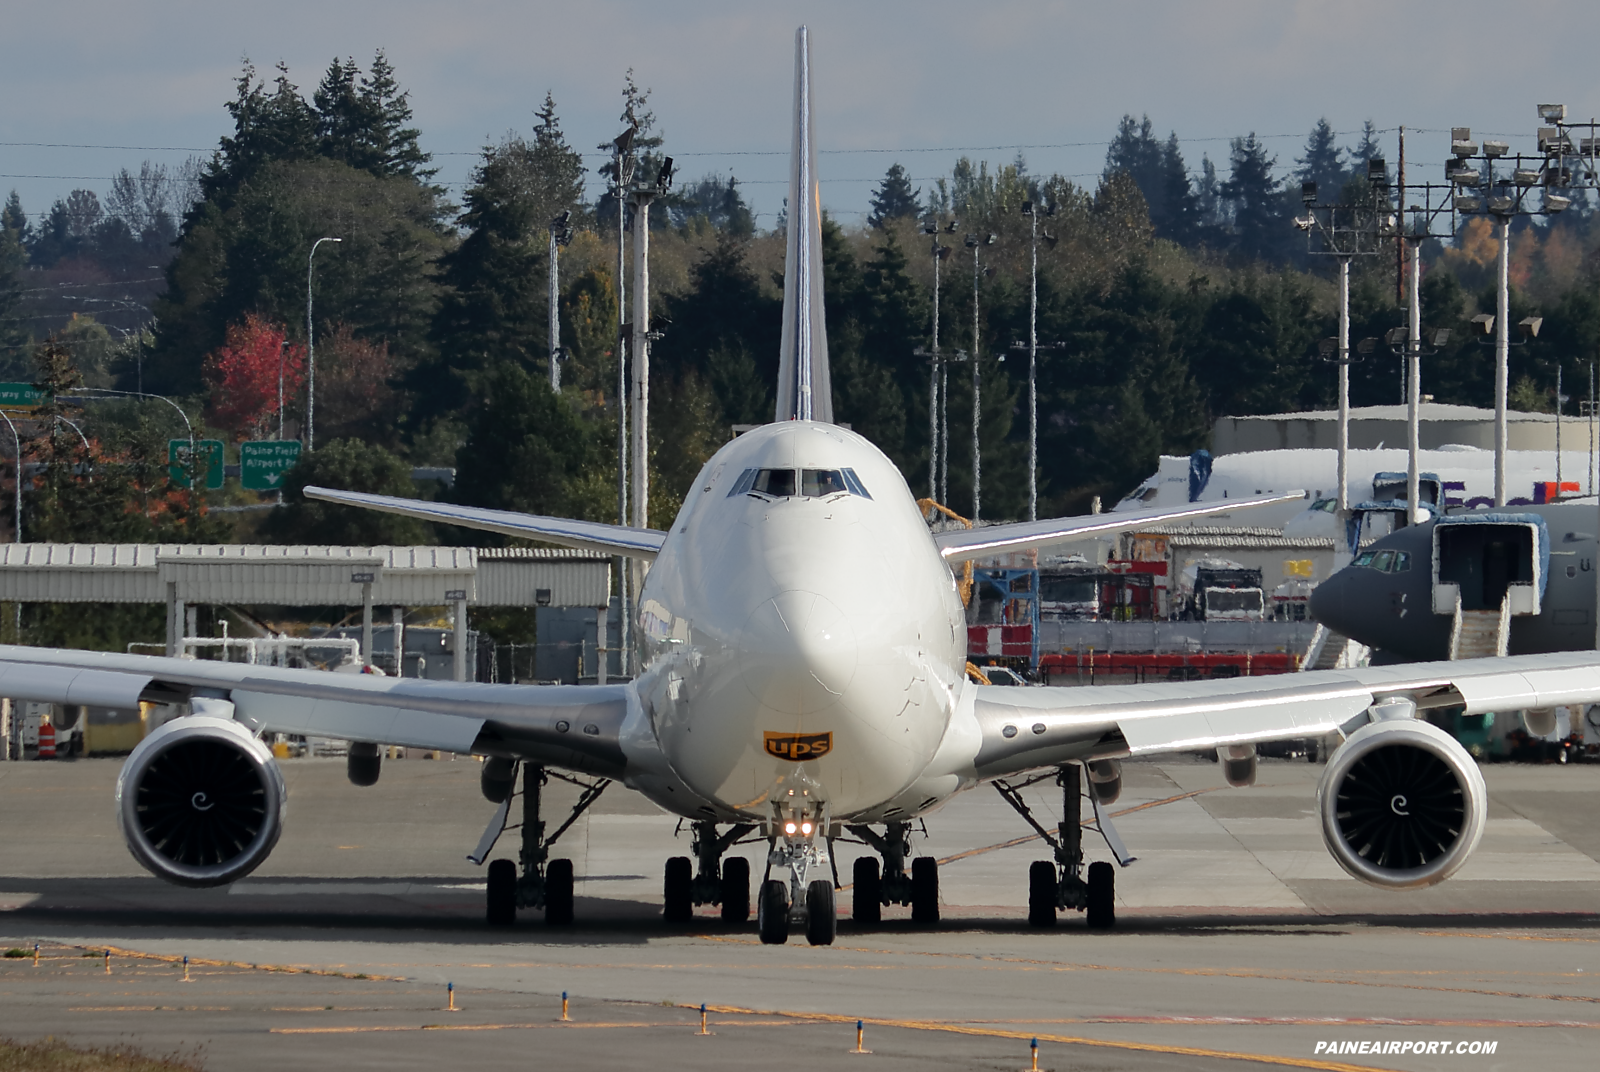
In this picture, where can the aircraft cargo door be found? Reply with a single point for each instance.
(1483, 560)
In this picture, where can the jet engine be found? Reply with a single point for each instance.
(1402, 804)
(200, 801)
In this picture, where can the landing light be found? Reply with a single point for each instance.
(805, 828)
(789, 828)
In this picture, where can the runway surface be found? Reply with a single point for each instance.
(1239, 942)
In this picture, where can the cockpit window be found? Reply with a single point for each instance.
(1385, 561)
(1365, 559)
(1382, 561)
(1402, 562)
(778, 483)
(813, 483)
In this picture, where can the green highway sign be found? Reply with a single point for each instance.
(263, 462)
(21, 395)
(208, 454)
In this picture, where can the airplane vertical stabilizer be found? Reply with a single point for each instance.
(805, 391)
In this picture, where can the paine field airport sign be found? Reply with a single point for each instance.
(263, 462)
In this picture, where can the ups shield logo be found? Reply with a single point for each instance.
(798, 746)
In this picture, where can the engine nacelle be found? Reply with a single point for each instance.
(200, 801)
(1402, 804)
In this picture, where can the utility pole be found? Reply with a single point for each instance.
(560, 235)
(311, 350)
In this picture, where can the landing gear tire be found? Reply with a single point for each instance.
(676, 894)
(1041, 894)
(1102, 913)
(821, 920)
(558, 893)
(735, 889)
(502, 908)
(866, 891)
(773, 913)
(925, 890)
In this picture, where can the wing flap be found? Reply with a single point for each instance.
(584, 535)
(345, 720)
(961, 544)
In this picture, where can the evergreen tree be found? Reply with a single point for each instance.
(362, 121)
(496, 308)
(13, 259)
(1323, 162)
(355, 466)
(1161, 175)
(894, 198)
(268, 128)
(1367, 148)
(644, 151)
(398, 140)
(556, 169)
(1259, 217)
(712, 202)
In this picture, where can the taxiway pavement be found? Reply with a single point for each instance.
(1238, 938)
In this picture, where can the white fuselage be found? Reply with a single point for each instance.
(802, 649)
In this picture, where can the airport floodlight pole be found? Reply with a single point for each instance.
(623, 163)
(1471, 169)
(1032, 347)
(1346, 231)
(643, 196)
(560, 235)
(311, 349)
(938, 462)
(975, 243)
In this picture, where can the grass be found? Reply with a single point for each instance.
(52, 1055)
(13, 953)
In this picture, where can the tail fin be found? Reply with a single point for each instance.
(805, 391)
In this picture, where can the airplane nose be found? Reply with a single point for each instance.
(1330, 599)
(797, 653)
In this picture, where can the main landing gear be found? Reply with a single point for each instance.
(1061, 884)
(543, 883)
(718, 881)
(873, 888)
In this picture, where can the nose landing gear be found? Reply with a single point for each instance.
(799, 846)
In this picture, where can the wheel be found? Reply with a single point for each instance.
(1102, 914)
(558, 893)
(1041, 894)
(772, 913)
(735, 889)
(675, 892)
(866, 891)
(502, 893)
(821, 920)
(924, 890)
(1311, 752)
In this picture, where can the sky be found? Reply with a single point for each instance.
(918, 83)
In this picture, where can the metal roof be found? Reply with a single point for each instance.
(1234, 536)
(298, 575)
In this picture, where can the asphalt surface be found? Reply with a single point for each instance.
(1239, 943)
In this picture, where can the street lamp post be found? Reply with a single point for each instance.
(938, 434)
(311, 350)
(1033, 351)
(16, 441)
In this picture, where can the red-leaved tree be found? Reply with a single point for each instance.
(243, 377)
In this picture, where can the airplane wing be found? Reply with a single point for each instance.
(575, 727)
(1027, 728)
(961, 544)
(585, 535)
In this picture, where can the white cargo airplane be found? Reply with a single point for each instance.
(804, 681)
